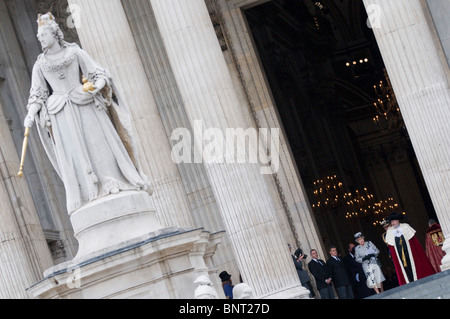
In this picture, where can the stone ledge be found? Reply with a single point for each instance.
(111, 251)
(163, 266)
(433, 287)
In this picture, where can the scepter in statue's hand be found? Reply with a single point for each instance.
(28, 123)
(24, 152)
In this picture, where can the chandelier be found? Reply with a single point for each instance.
(389, 117)
(375, 212)
(383, 209)
(329, 196)
(354, 63)
(328, 193)
(358, 204)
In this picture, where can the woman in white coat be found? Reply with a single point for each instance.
(366, 253)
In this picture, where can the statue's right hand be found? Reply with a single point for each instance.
(29, 121)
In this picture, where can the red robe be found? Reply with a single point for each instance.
(433, 246)
(419, 261)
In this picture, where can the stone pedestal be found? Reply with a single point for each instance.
(108, 223)
(124, 252)
(161, 265)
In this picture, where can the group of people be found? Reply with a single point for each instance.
(336, 271)
(359, 274)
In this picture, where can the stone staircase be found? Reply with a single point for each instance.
(433, 287)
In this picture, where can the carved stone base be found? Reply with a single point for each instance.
(109, 222)
(125, 253)
(161, 266)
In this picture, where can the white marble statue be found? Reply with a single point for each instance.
(86, 131)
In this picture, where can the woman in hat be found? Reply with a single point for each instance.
(366, 253)
(227, 284)
(408, 256)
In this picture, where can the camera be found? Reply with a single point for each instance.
(298, 253)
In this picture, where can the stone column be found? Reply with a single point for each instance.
(210, 99)
(24, 254)
(106, 35)
(204, 208)
(414, 60)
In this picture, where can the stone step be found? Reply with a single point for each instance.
(433, 287)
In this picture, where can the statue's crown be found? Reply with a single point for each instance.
(45, 19)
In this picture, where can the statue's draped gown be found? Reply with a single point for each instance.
(88, 138)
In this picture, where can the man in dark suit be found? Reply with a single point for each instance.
(319, 270)
(356, 275)
(339, 275)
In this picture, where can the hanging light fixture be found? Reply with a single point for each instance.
(383, 209)
(328, 193)
(389, 117)
(358, 204)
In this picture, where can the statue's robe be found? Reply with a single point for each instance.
(89, 139)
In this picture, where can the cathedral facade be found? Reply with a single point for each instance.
(298, 73)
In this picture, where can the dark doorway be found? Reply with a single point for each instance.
(327, 77)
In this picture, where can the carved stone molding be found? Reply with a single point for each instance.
(394, 152)
(57, 249)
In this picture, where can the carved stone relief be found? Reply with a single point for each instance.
(57, 249)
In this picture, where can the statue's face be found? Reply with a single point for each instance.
(46, 37)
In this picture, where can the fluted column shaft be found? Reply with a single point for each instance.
(209, 97)
(204, 209)
(413, 59)
(106, 35)
(24, 254)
